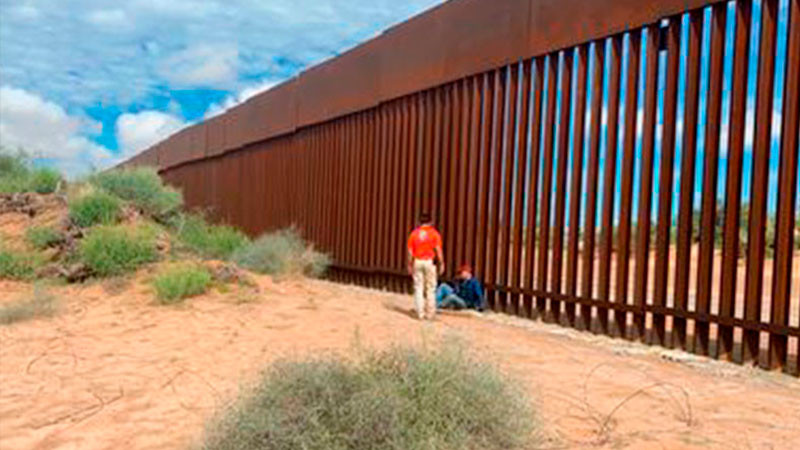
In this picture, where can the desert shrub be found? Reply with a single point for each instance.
(42, 237)
(44, 180)
(13, 172)
(180, 282)
(397, 399)
(17, 175)
(208, 241)
(12, 184)
(115, 250)
(94, 208)
(40, 304)
(10, 163)
(17, 265)
(142, 188)
(280, 253)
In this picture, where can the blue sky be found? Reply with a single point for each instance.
(777, 114)
(86, 83)
(780, 73)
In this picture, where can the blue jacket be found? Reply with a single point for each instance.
(470, 291)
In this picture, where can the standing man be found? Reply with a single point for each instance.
(424, 251)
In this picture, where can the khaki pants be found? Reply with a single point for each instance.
(425, 288)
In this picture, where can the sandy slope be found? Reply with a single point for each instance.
(114, 371)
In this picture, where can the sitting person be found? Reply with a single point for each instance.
(463, 292)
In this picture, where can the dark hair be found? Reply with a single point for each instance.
(425, 217)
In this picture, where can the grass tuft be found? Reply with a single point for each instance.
(17, 265)
(116, 250)
(401, 398)
(95, 208)
(18, 175)
(142, 188)
(43, 237)
(40, 304)
(206, 240)
(282, 253)
(180, 282)
(44, 180)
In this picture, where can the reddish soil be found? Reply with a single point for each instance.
(40, 210)
(115, 371)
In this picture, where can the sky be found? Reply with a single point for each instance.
(779, 83)
(87, 83)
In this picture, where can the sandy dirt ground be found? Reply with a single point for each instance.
(114, 371)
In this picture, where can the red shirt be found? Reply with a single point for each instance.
(423, 241)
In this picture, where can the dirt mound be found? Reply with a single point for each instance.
(228, 272)
(30, 204)
(19, 212)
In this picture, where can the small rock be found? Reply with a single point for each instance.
(130, 214)
(226, 272)
(49, 271)
(163, 244)
(75, 272)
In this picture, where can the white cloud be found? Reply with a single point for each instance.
(165, 44)
(48, 132)
(177, 8)
(137, 132)
(44, 129)
(240, 97)
(202, 65)
(139, 52)
(26, 12)
(108, 18)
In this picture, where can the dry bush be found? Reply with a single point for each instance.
(39, 304)
(282, 253)
(402, 398)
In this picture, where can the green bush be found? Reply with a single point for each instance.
(40, 304)
(17, 266)
(16, 175)
(13, 172)
(180, 282)
(280, 253)
(142, 188)
(115, 250)
(208, 241)
(41, 238)
(11, 164)
(12, 184)
(397, 399)
(95, 208)
(44, 180)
